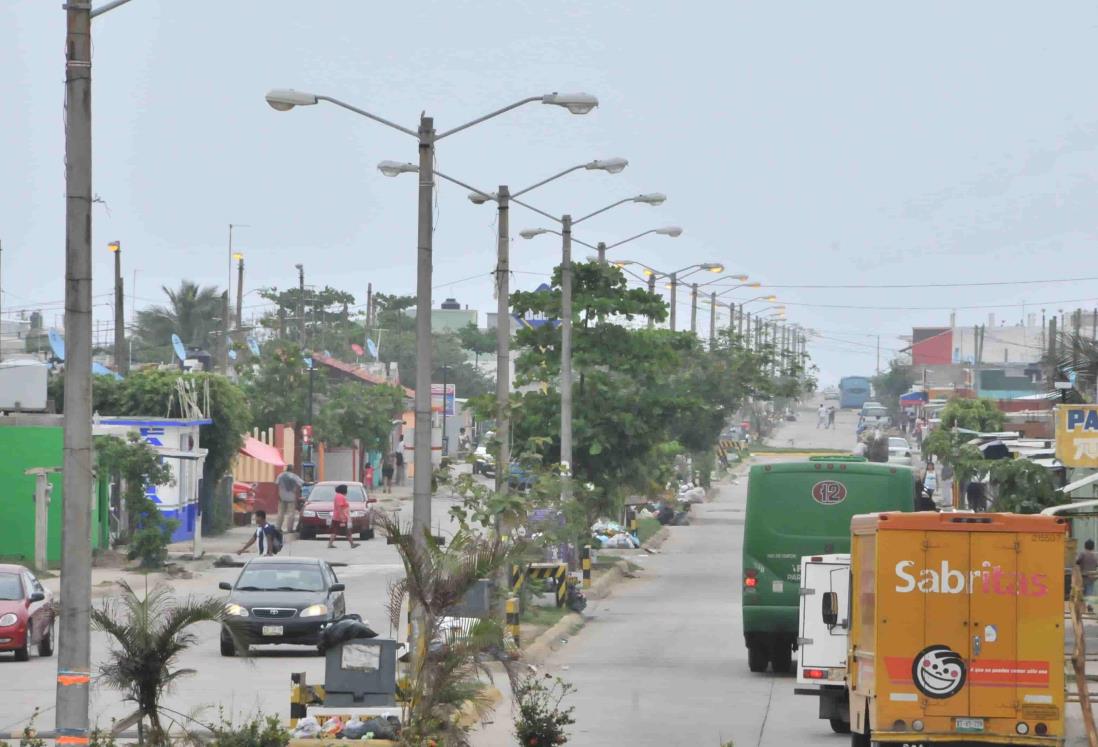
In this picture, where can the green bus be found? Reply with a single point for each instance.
(795, 509)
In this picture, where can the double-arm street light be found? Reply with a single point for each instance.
(713, 303)
(566, 223)
(713, 311)
(675, 277)
(503, 198)
(427, 137)
(672, 231)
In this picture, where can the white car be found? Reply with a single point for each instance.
(899, 451)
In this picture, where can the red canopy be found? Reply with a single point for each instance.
(256, 449)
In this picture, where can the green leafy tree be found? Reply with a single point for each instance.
(323, 308)
(1021, 486)
(147, 635)
(973, 414)
(139, 467)
(193, 312)
(477, 341)
(277, 387)
(358, 411)
(893, 384)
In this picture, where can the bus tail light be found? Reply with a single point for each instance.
(815, 674)
(750, 578)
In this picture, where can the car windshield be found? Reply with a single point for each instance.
(10, 587)
(326, 494)
(276, 577)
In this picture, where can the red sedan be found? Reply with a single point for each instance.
(26, 613)
(316, 516)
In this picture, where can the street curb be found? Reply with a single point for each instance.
(656, 540)
(542, 646)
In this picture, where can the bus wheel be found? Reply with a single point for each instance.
(758, 656)
(839, 726)
(781, 657)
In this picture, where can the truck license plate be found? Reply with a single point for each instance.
(277, 630)
(970, 724)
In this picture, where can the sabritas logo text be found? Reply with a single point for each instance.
(987, 579)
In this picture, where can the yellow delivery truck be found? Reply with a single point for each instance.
(956, 629)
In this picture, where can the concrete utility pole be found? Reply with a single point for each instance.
(42, 491)
(300, 304)
(712, 320)
(694, 309)
(503, 337)
(651, 290)
(121, 360)
(674, 301)
(224, 348)
(74, 634)
(239, 290)
(566, 354)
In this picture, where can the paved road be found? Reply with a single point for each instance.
(663, 662)
(261, 683)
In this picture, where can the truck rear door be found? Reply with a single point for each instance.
(993, 658)
(938, 671)
(822, 647)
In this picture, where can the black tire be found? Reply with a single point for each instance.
(228, 647)
(758, 656)
(45, 646)
(839, 726)
(781, 657)
(306, 534)
(366, 534)
(24, 654)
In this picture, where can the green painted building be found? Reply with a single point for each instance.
(26, 442)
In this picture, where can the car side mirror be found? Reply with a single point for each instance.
(225, 585)
(37, 596)
(336, 587)
(830, 608)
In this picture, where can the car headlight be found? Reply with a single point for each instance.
(235, 610)
(314, 610)
(309, 514)
(8, 620)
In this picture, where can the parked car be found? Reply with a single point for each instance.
(520, 478)
(27, 613)
(899, 450)
(483, 462)
(316, 516)
(872, 406)
(831, 393)
(281, 601)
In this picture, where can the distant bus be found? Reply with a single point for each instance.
(796, 509)
(853, 391)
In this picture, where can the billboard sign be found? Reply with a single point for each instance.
(1077, 435)
(436, 400)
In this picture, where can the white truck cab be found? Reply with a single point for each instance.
(824, 631)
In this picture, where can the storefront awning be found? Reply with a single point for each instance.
(1071, 487)
(256, 449)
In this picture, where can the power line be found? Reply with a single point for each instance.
(980, 284)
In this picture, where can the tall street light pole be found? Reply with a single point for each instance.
(653, 199)
(503, 198)
(239, 257)
(121, 359)
(300, 304)
(74, 639)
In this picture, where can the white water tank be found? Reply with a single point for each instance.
(23, 385)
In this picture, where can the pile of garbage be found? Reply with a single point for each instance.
(613, 536)
(378, 727)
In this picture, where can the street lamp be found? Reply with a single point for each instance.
(427, 138)
(121, 358)
(239, 257)
(566, 222)
(677, 275)
(672, 231)
(503, 198)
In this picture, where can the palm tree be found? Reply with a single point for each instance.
(147, 635)
(193, 313)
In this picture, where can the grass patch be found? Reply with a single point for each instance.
(547, 616)
(646, 528)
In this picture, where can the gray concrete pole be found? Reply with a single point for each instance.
(301, 305)
(503, 337)
(674, 286)
(421, 481)
(694, 308)
(566, 353)
(712, 320)
(121, 360)
(74, 634)
(601, 248)
(652, 290)
(224, 349)
(240, 293)
(732, 316)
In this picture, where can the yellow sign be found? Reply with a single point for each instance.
(1077, 435)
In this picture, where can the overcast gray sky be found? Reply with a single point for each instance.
(801, 143)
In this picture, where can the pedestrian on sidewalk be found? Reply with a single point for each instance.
(368, 476)
(831, 418)
(341, 517)
(289, 493)
(1088, 564)
(946, 492)
(267, 535)
(387, 475)
(398, 460)
(821, 416)
(930, 478)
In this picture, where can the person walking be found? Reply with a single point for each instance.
(930, 478)
(946, 492)
(267, 535)
(387, 475)
(341, 517)
(398, 460)
(831, 418)
(289, 492)
(368, 476)
(821, 416)
(1088, 564)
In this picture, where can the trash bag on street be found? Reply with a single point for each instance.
(355, 728)
(346, 628)
(665, 515)
(383, 728)
(332, 727)
(306, 728)
(693, 495)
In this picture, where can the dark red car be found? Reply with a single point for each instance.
(316, 515)
(26, 613)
